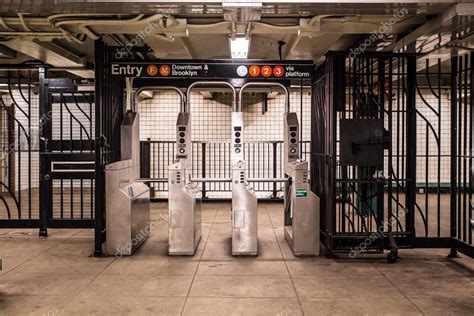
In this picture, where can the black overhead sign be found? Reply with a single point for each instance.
(184, 69)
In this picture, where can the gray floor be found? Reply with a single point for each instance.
(56, 276)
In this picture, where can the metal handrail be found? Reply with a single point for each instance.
(264, 84)
(211, 83)
(160, 88)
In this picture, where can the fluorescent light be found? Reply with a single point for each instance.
(239, 47)
(242, 11)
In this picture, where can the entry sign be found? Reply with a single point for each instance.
(301, 193)
(212, 69)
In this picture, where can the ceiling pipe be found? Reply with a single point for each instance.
(166, 37)
(35, 34)
(53, 17)
(23, 22)
(84, 25)
(288, 28)
(233, 30)
(248, 31)
(116, 22)
(205, 26)
(84, 29)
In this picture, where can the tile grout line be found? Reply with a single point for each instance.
(403, 294)
(284, 261)
(34, 257)
(90, 282)
(199, 263)
(94, 278)
(72, 297)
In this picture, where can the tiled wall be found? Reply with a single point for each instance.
(444, 138)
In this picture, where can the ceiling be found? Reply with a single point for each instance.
(62, 32)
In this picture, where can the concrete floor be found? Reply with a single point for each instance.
(57, 277)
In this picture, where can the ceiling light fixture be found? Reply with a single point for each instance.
(239, 47)
(242, 10)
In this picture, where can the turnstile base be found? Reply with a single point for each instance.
(291, 243)
(242, 254)
(185, 253)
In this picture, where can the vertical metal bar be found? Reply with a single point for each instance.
(454, 180)
(411, 144)
(45, 189)
(390, 148)
(404, 114)
(381, 106)
(301, 116)
(19, 173)
(438, 191)
(274, 159)
(71, 181)
(459, 149)
(99, 222)
(145, 159)
(398, 135)
(464, 151)
(471, 139)
(11, 144)
(427, 152)
(203, 169)
(29, 147)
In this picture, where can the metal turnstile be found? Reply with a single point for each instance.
(244, 199)
(127, 201)
(128, 210)
(184, 200)
(301, 206)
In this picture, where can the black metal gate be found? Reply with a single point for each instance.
(47, 159)
(389, 184)
(19, 149)
(67, 158)
(462, 146)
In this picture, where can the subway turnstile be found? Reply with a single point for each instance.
(184, 199)
(301, 204)
(244, 199)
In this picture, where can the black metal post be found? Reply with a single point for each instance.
(99, 52)
(11, 144)
(301, 118)
(471, 147)
(145, 152)
(203, 169)
(411, 146)
(381, 114)
(454, 133)
(274, 145)
(44, 181)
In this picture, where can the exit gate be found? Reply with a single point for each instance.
(67, 159)
(48, 155)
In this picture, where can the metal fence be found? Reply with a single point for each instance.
(211, 160)
(425, 142)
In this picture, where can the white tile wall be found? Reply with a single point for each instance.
(444, 138)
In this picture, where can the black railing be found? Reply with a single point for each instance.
(211, 160)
